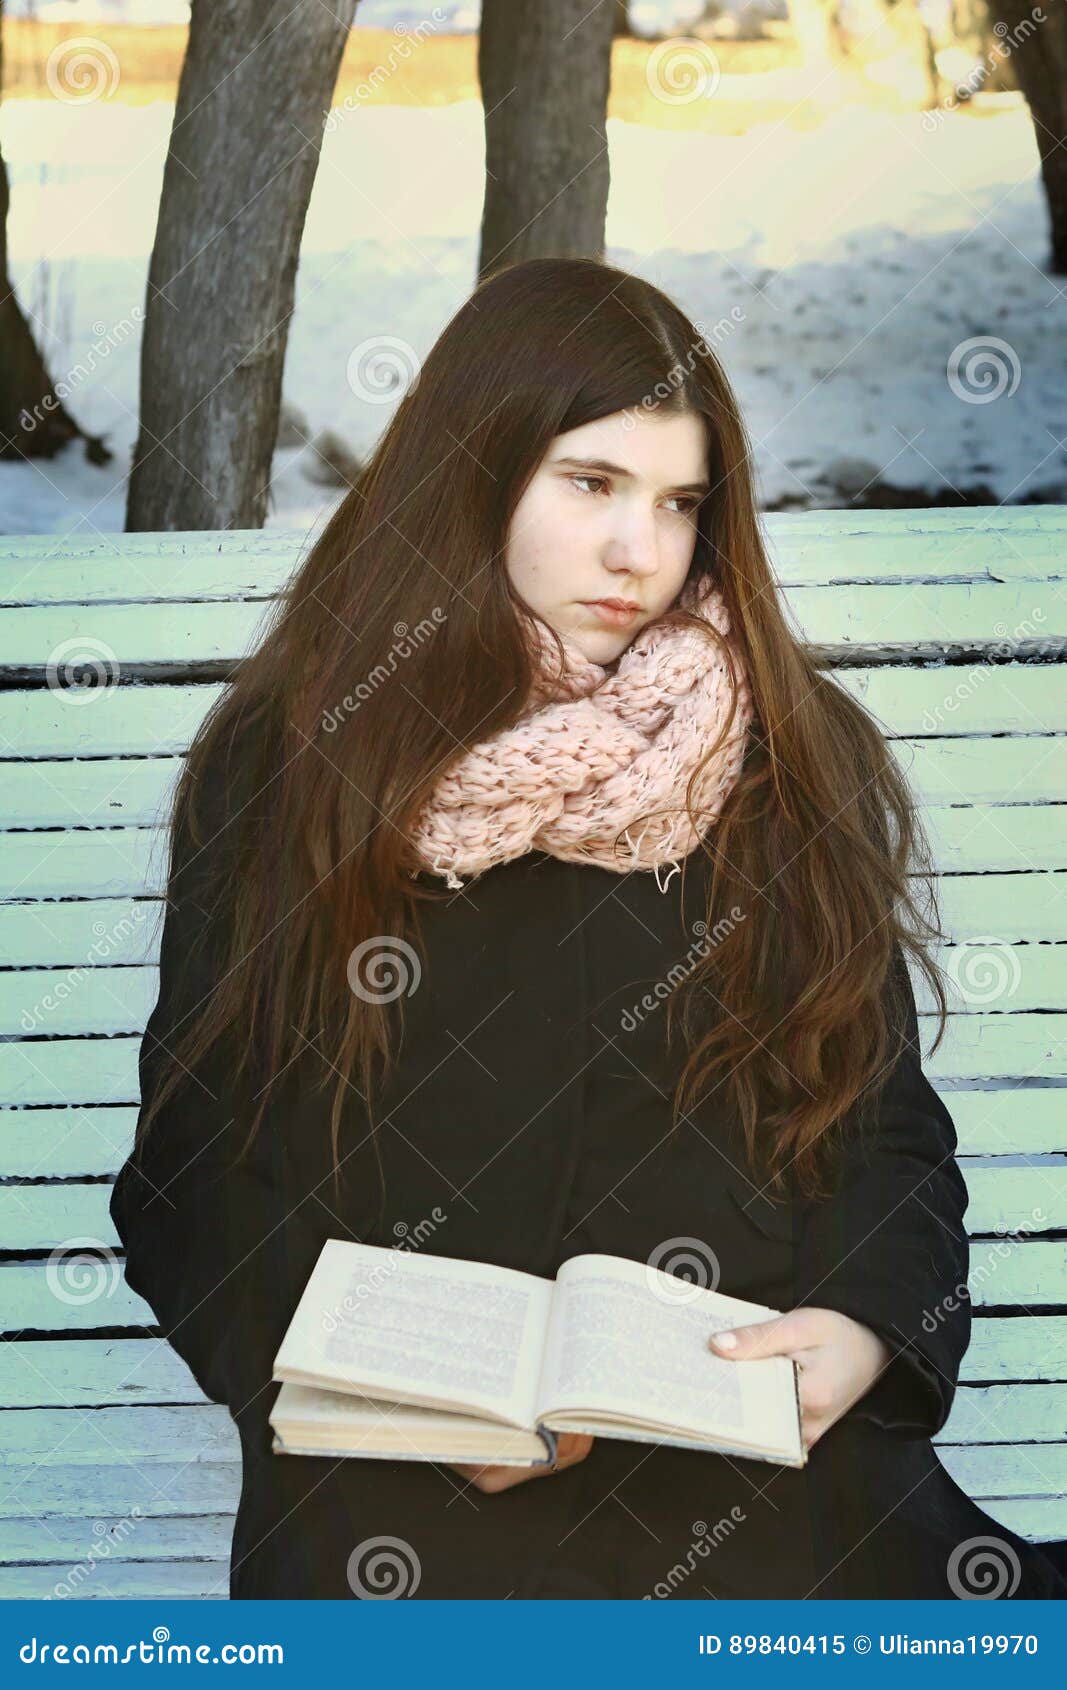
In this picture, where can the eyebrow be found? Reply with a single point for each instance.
(607, 468)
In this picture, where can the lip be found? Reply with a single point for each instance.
(617, 613)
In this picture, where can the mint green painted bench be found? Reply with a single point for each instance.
(116, 1477)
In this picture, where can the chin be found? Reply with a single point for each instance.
(604, 648)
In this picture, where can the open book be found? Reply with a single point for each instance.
(432, 1358)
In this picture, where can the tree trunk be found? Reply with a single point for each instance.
(813, 27)
(1039, 58)
(34, 422)
(545, 71)
(622, 18)
(256, 83)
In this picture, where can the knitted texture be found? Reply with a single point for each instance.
(594, 752)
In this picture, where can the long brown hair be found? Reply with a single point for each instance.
(400, 642)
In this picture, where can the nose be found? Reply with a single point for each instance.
(633, 547)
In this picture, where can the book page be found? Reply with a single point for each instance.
(431, 1329)
(620, 1341)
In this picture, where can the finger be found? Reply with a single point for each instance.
(572, 1447)
(799, 1329)
(489, 1480)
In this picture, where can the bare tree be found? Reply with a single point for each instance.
(545, 73)
(34, 422)
(814, 26)
(256, 84)
(1038, 55)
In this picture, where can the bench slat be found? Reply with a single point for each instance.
(104, 1071)
(66, 1544)
(72, 1143)
(121, 1581)
(992, 1123)
(163, 718)
(132, 861)
(990, 542)
(62, 1002)
(29, 1303)
(142, 1435)
(123, 932)
(867, 623)
(92, 1372)
(828, 547)
(1031, 1274)
(204, 1432)
(65, 1143)
(1037, 1519)
(1006, 1414)
(139, 791)
(160, 1489)
(1009, 1470)
(1024, 1200)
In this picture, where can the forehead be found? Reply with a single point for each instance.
(666, 449)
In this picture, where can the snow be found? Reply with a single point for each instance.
(461, 16)
(844, 265)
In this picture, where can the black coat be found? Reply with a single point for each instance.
(529, 1121)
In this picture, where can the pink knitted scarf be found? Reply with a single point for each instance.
(594, 752)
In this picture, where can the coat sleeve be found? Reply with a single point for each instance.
(890, 1247)
(220, 1249)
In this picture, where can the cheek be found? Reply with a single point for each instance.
(540, 541)
(683, 550)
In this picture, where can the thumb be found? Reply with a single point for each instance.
(764, 1338)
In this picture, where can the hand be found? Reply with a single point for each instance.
(572, 1447)
(839, 1360)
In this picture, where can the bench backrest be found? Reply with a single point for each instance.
(121, 1479)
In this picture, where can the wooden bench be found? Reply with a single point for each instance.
(116, 1477)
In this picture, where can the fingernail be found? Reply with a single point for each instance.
(725, 1340)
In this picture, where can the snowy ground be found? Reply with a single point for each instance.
(861, 254)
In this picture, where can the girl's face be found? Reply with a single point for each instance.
(610, 514)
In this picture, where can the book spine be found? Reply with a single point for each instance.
(800, 1418)
(551, 1443)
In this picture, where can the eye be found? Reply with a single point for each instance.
(599, 479)
(688, 501)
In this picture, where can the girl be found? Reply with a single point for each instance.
(532, 892)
